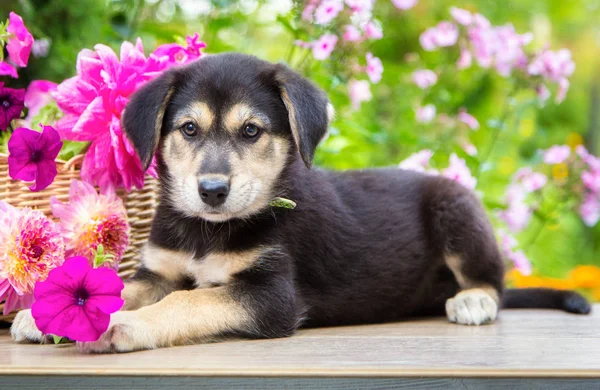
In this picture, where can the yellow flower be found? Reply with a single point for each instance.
(574, 140)
(560, 171)
(585, 276)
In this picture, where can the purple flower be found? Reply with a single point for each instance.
(20, 40)
(12, 102)
(7, 69)
(32, 156)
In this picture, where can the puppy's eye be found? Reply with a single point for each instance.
(189, 129)
(251, 131)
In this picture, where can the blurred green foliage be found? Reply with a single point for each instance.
(383, 131)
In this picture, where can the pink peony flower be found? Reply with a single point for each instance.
(7, 69)
(465, 59)
(404, 4)
(93, 102)
(12, 102)
(424, 78)
(459, 172)
(468, 119)
(328, 10)
(425, 114)
(352, 34)
(372, 31)
(32, 156)
(30, 246)
(360, 91)
(323, 47)
(37, 97)
(20, 40)
(418, 162)
(76, 300)
(557, 154)
(89, 219)
(461, 16)
(589, 210)
(374, 68)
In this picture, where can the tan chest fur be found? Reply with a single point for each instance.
(213, 269)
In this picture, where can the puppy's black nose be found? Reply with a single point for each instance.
(213, 192)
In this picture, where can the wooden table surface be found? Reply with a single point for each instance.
(522, 343)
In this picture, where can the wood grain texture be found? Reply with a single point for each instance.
(522, 343)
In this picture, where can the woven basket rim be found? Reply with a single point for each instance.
(66, 164)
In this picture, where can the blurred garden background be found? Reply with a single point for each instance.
(497, 121)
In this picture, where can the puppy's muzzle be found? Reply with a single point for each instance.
(213, 192)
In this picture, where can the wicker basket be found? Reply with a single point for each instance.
(140, 206)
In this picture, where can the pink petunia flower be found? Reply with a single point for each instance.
(589, 210)
(89, 219)
(360, 91)
(323, 47)
(37, 97)
(372, 31)
(352, 34)
(459, 172)
(418, 161)
(425, 114)
(76, 300)
(557, 154)
(461, 16)
(374, 68)
(20, 40)
(328, 10)
(32, 156)
(468, 119)
(12, 102)
(7, 69)
(404, 4)
(30, 246)
(424, 78)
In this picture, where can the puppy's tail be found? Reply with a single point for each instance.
(545, 298)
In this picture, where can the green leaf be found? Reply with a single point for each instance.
(101, 257)
(57, 339)
(283, 203)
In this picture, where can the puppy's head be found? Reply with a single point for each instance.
(225, 127)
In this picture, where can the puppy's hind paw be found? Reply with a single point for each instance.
(472, 307)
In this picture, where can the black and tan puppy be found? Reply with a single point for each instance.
(232, 132)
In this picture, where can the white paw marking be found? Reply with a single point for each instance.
(23, 329)
(125, 333)
(472, 307)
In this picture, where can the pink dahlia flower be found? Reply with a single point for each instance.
(90, 219)
(30, 246)
(93, 102)
(76, 300)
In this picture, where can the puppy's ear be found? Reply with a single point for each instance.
(309, 110)
(143, 117)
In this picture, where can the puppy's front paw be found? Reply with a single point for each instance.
(126, 333)
(472, 307)
(24, 330)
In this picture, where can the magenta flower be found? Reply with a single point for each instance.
(374, 68)
(7, 69)
(30, 246)
(424, 78)
(37, 97)
(76, 300)
(459, 172)
(328, 10)
(323, 47)
(359, 91)
(468, 120)
(90, 219)
(557, 154)
(19, 41)
(12, 102)
(93, 102)
(425, 114)
(179, 55)
(32, 156)
(404, 4)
